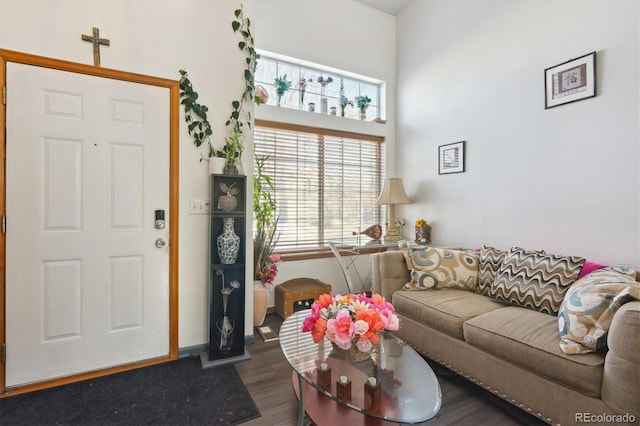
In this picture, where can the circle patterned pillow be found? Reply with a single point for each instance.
(589, 306)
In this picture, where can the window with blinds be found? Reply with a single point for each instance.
(326, 182)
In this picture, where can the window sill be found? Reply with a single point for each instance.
(324, 121)
(319, 253)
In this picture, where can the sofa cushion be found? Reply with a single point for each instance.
(589, 305)
(588, 268)
(529, 339)
(490, 260)
(534, 280)
(443, 309)
(432, 267)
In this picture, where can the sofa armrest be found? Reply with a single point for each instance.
(389, 272)
(621, 375)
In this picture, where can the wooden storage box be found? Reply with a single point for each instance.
(299, 289)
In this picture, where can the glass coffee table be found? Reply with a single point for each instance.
(410, 392)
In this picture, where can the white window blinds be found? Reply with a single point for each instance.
(326, 182)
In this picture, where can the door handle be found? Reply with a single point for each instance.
(160, 242)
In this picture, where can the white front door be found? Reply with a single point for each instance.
(87, 166)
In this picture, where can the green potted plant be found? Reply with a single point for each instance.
(264, 210)
(363, 104)
(198, 125)
(282, 85)
(265, 239)
(196, 114)
(232, 151)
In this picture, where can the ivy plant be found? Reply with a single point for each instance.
(195, 114)
(242, 25)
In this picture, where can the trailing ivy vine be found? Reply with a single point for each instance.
(242, 25)
(195, 114)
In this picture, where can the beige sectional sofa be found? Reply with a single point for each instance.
(514, 352)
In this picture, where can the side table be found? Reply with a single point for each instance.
(303, 290)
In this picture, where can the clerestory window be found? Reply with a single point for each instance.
(318, 89)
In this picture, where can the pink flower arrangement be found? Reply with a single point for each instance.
(351, 318)
(268, 274)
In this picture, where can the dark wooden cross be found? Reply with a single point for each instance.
(97, 41)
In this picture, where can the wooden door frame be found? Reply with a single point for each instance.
(173, 86)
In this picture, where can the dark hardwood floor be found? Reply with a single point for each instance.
(267, 376)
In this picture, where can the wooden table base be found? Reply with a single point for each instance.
(323, 410)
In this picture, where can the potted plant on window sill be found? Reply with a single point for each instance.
(363, 103)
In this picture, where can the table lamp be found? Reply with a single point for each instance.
(392, 194)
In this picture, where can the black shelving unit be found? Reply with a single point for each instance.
(224, 346)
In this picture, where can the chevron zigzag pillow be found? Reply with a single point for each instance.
(490, 261)
(535, 280)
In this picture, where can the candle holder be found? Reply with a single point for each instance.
(343, 388)
(323, 378)
(372, 393)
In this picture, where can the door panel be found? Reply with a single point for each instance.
(87, 166)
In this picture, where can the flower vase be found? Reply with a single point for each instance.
(228, 242)
(225, 326)
(260, 301)
(363, 113)
(324, 105)
(280, 93)
(423, 234)
(226, 292)
(353, 353)
(230, 168)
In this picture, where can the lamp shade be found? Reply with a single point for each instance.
(393, 192)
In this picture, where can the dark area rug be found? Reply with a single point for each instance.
(173, 393)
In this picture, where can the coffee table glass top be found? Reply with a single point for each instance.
(410, 389)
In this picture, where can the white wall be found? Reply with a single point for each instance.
(564, 179)
(341, 34)
(157, 38)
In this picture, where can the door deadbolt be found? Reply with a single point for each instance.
(159, 222)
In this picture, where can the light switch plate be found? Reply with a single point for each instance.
(199, 206)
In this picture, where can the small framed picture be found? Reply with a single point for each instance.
(451, 158)
(570, 81)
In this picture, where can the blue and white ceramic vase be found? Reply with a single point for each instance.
(228, 242)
